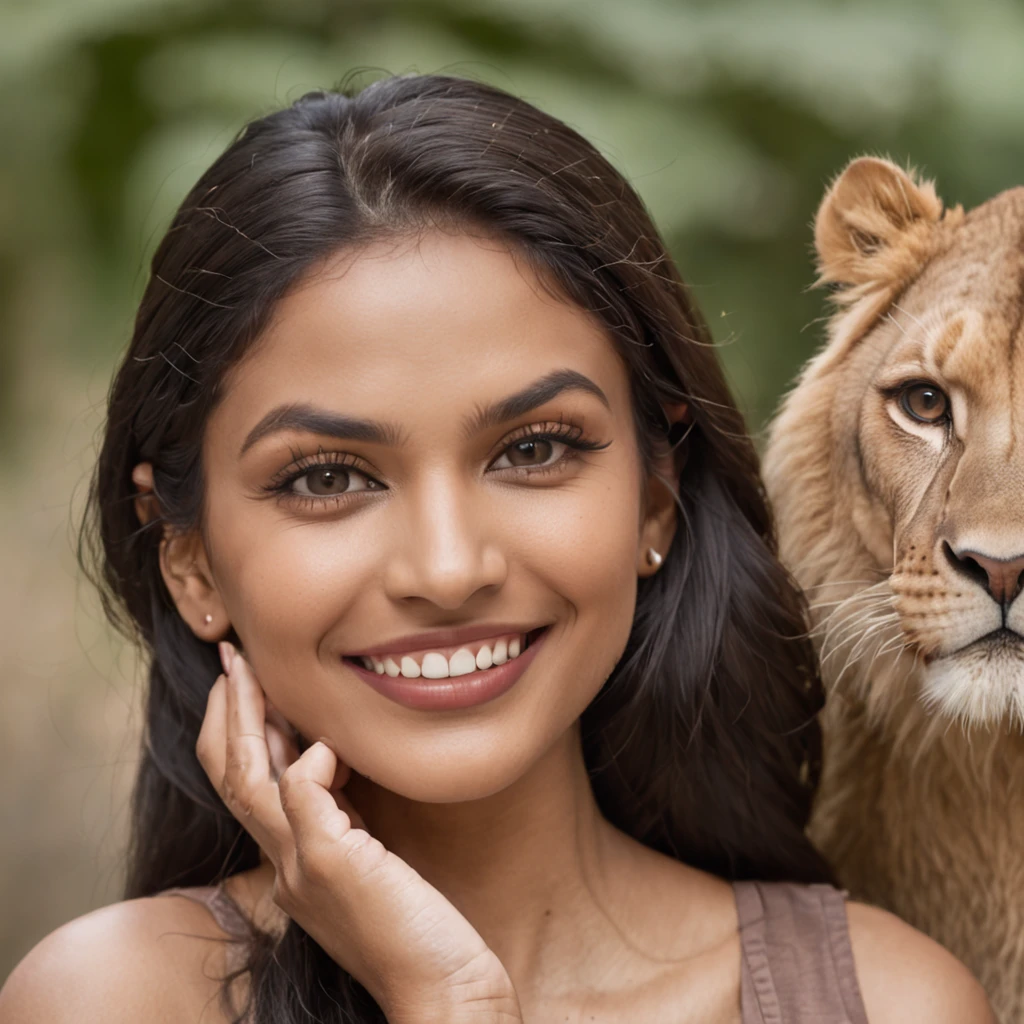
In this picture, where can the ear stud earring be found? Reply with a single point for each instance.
(207, 618)
(654, 559)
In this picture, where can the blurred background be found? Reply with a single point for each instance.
(729, 117)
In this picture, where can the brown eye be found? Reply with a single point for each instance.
(925, 403)
(329, 480)
(529, 453)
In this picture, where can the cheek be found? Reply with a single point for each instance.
(580, 539)
(285, 586)
(897, 466)
(585, 552)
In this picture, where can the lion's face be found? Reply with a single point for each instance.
(923, 388)
(941, 441)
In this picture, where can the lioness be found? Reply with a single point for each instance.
(896, 467)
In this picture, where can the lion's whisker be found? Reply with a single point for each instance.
(843, 623)
(845, 583)
(855, 653)
(856, 637)
(859, 633)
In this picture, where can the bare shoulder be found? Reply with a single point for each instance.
(146, 959)
(904, 975)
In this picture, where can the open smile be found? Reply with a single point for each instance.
(450, 677)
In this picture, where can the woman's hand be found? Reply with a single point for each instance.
(419, 958)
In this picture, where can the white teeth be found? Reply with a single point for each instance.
(461, 663)
(435, 666)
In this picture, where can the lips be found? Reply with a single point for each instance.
(437, 687)
(447, 662)
(437, 639)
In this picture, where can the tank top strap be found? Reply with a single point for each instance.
(797, 961)
(227, 916)
(223, 910)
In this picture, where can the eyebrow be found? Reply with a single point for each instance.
(303, 417)
(309, 419)
(529, 398)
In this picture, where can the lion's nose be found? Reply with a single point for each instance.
(1001, 577)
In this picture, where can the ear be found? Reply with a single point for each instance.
(184, 565)
(875, 228)
(661, 495)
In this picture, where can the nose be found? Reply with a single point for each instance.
(1001, 577)
(446, 551)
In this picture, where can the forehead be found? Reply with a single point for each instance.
(436, 320)
(963, 319)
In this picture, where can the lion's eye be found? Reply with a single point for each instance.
(925, 403)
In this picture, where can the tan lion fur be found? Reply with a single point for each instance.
(921, 808)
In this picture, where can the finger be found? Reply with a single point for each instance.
(246, 703)
(311, 809)
(210, 742)
(282, 739)
(248, 789)
(211, 750)
(344, 804)
(342, 774)
(283, 750)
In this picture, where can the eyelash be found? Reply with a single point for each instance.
(569, 434)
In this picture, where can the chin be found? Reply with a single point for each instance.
(455, 776)
(981, 684)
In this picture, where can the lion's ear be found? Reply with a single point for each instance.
(875, 227)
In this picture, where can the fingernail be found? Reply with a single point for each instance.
(227, 654)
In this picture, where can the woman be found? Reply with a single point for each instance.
(417, 412)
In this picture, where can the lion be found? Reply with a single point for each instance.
(896, 469)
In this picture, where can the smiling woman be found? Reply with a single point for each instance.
(444, 431)
(418, 415)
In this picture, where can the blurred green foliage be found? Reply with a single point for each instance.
(729, 118)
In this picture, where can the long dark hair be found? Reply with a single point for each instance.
(704, 741)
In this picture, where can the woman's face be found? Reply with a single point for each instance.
(376, 476)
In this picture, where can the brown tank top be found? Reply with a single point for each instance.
(797, 965)
(797, 961)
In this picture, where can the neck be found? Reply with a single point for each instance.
(564, 899)
(526, 866)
